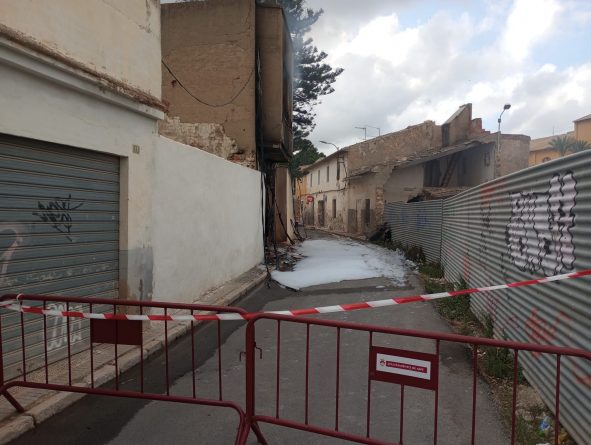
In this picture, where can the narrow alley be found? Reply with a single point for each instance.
(96, 420)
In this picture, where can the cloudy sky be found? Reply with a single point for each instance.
(408, 61)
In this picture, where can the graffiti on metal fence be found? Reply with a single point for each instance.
(538, 236)
(58, 213)
(422, 220)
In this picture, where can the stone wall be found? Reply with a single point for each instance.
(394, 146)
(206, 136)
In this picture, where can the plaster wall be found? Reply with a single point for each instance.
(327, 189)
(210, 47)
(320, 181)
(284, 204)
(195, 207)
(538, 156)
(43, 100)
(337, 222)
(477, 166)
(358, 191)
(100, 34)
(583, 130)
(404, 184)
(458, 126)
(514, 154)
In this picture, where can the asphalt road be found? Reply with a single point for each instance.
(102, 420)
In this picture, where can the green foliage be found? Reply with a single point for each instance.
(456, 308)
(313, 77)
(461, 284)
(489, 327)
(307, 154)
(415, 254)
(436, 286)
(562, 144)
(580, 146)
(431, 269)
(497, 362)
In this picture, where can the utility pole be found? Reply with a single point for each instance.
(364, 132)
(377, 128)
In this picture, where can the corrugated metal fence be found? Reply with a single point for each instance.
(536, 222)
(417, 224)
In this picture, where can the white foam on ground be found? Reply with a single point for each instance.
(331, 261)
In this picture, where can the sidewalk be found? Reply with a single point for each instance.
(41, 404)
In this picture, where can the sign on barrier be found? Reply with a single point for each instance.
(403, 367)
(122, 332)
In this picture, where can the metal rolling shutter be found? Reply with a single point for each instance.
(59, 235)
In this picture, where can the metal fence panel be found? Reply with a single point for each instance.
(532, 223)
(59, 234)
(417, 224)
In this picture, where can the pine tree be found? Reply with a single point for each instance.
(307, 154)
(312, 76)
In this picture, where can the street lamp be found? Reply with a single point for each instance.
(329, 143)
(505, 108)
(338, 156)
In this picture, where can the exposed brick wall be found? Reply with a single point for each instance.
(206, 136)
(210, 48)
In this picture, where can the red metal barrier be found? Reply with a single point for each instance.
(382, 363)
(402, 367)
(97, 333)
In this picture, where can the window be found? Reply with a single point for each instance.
(367, 214)
(327, 173)
(318, 177)
(334, 208)
(338, 170)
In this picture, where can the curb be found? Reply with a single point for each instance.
(18, 424)
(343, 234)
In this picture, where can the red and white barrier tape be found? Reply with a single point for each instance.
(15, 305)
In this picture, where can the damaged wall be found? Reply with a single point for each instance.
(321, 182)
(205, 136)
(404, 184)
(67, 27)
(208, 72)
(394, 146)
(513, 154)
(284, 211)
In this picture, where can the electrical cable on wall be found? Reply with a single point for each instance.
(263, 168)
(201, 100)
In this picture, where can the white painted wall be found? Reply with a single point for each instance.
(206, 221)
(120, 38)
(325, 184)
(42, 100)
